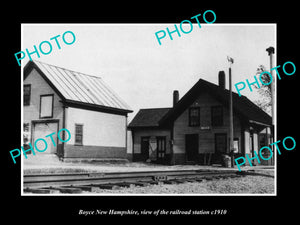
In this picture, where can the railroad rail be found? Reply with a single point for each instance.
(79, 182)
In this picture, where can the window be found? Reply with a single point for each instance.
(262, 140)
(236, 145)
(194, 116)
(26, 94)
(78, 134)
(26, 133)
(46, 106)
(217, 116)
(26, 127)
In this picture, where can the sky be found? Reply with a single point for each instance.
(143, 73)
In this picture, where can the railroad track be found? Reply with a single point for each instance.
(79, 182)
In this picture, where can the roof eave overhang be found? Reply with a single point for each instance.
(132, 127)
(95, 107)
(259, 123)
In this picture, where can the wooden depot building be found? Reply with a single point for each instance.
(196, 128)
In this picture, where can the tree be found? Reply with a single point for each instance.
(265, 103)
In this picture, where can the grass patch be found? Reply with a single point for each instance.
(57, 170)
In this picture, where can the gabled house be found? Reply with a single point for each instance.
(95, 115)
(196, 128)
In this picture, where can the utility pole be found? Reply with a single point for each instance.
(230, 60)
(271, 51)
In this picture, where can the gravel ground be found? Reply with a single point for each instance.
(47, 164)
(242, 185)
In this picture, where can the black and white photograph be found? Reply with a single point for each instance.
(146, 115)
(141, 112)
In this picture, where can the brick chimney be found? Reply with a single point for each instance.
(222, 83)
(175, 97)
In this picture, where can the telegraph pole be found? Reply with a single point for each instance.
(230, 60)
(271, 51)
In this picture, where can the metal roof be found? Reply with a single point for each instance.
(79, 87)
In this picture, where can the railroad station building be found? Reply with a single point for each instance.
(95, 115)
(196, 128)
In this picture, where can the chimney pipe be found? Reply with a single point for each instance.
(222, 83)
(175, 97)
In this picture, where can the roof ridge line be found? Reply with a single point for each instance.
(67, 69)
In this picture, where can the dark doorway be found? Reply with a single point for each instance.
(220, 147)
(144, 148)
(191, 147)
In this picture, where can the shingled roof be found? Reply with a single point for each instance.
(148, 117)
(242, 106)
(78, 88)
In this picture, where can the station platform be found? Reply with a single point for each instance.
(49, 163)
